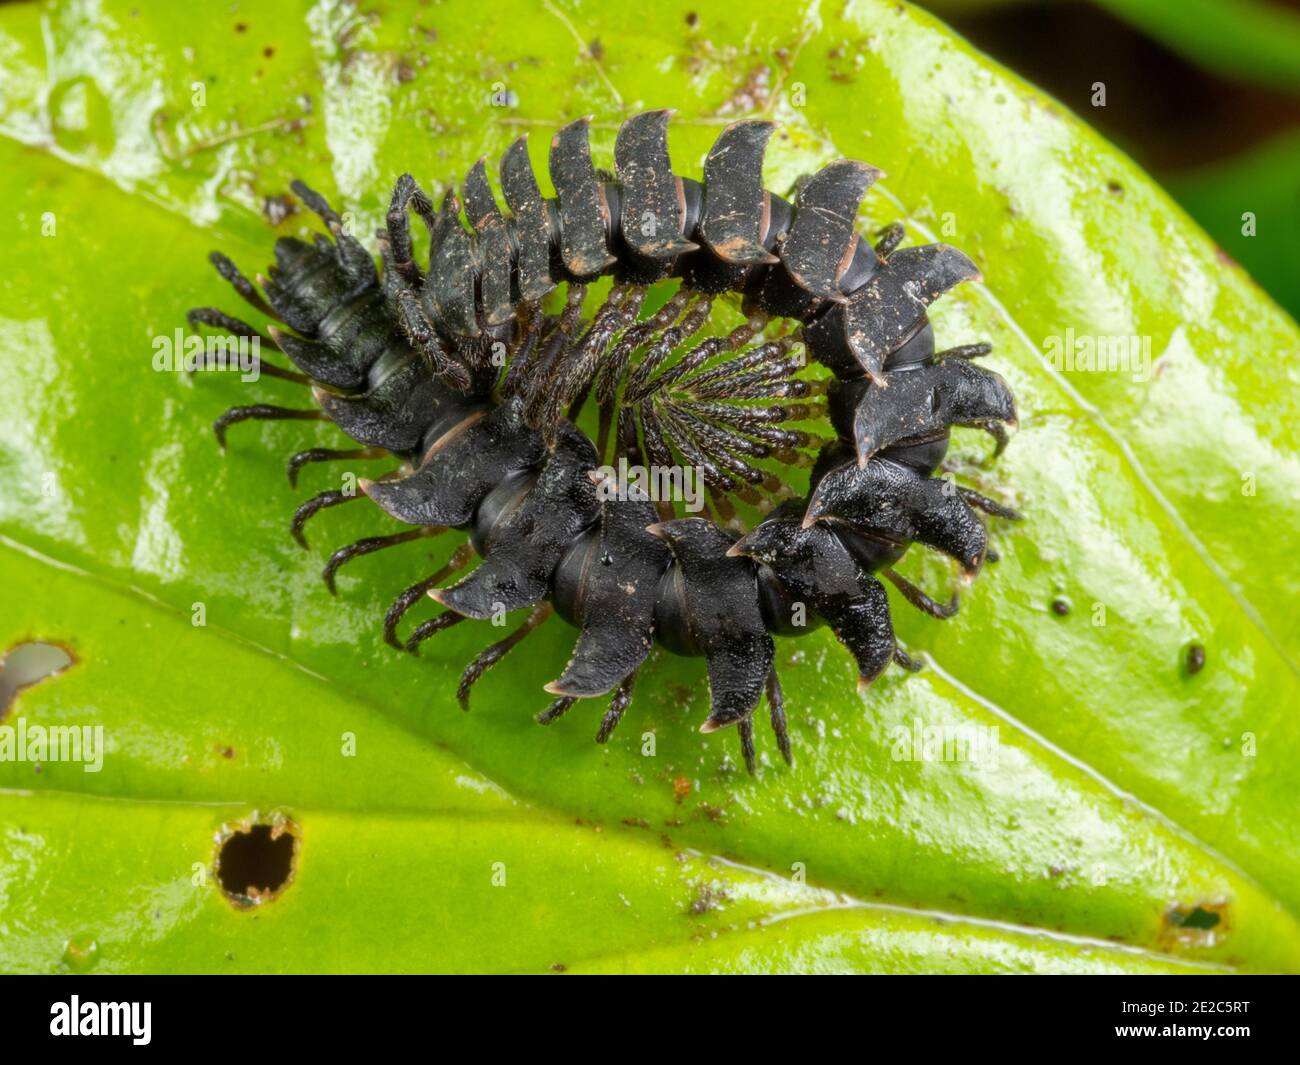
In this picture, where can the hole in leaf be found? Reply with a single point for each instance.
(1198, 918)
(26, 664)
(1200, 924)
(256, 860)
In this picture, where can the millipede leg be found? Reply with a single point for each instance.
(269, 369)
(421, 334)
(369, 545)
(659, 348)
(642, 333)
(430, 628)
(919, 599)
(490, 656)
(692, 363)
(230, 272)
(989, 506)
(460, 558)
(406, 194)
(905, 660)
(571, 368)
(627, 439)
(264, 412)
(889, 238)
(773, 381)
(520, 379)
(540, 384)
(316, 203)
(528, 334)
(557, 709)
(327, 454)
(964, 351)
(655, 448)
(776, 709)
(218, 319)
(603, 427)
(575, 408)
(332, 498)
(718, 444)
(407, 599)
(703, 383)
(615, 317)
(746, 730)
(617, 708)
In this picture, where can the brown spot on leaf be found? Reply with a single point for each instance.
(754, 95)
(278, 208)
(708, 897)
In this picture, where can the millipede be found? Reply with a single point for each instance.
(471, 374)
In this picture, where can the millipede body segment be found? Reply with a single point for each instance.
(461, 372)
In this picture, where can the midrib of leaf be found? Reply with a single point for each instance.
(1010, 932)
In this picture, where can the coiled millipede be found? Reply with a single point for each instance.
(460, 372)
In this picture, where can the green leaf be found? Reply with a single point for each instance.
(1251, 205)
(1137, 816)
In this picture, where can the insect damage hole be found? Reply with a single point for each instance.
(1200, 924)
(1198, 918)
(26, 664)
(256, 860)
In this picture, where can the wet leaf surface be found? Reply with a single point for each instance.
(1130, 815)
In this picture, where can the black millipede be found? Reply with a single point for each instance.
(471, 375)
